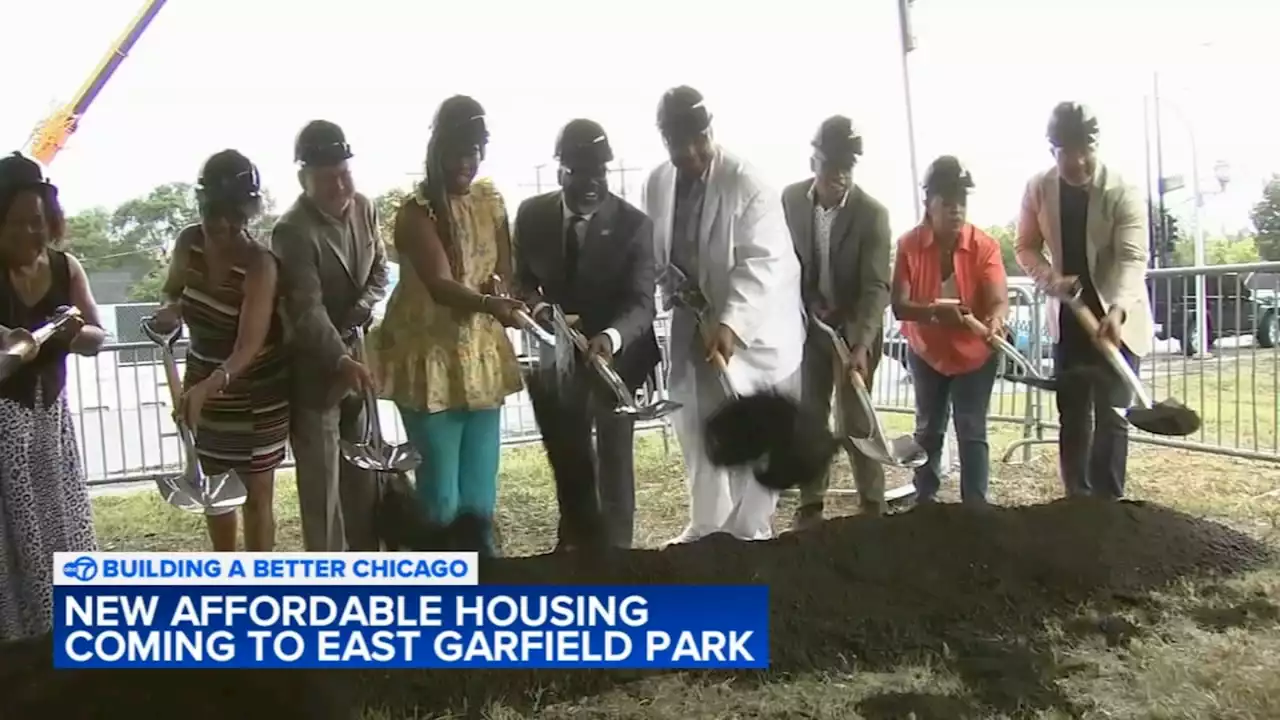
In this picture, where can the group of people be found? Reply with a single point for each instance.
(283, 352)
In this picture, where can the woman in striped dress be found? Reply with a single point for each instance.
(222, 285)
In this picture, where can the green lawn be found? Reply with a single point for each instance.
(1181, 670)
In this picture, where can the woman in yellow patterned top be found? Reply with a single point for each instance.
(442, 354)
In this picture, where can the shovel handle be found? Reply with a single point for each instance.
(1108, 349)
(531, 326)
(372, 423)
(1002, 346)
(165, 342)
(597, 363)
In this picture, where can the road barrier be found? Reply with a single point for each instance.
(123, 417)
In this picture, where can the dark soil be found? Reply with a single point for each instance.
(969, 588)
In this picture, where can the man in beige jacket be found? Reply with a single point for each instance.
(1093, 227)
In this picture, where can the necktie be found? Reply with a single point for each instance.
(571, 249)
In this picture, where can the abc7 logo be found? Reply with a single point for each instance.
(83, 569)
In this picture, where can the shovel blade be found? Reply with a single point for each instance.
(657, 410)
(902, 452)
(377, 457)
(221, 491)
(176, 493)
(1169, 418)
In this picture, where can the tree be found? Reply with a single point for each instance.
(1266, 221)
(1217, 251)
(388, 204)
(137, 236)
(158, 213)
(1007, 236)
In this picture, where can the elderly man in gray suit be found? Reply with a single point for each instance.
(334, 271)
(841, 235)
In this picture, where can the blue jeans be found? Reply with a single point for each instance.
(969, 396)
(460, 452)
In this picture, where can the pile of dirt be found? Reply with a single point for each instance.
(972, 587)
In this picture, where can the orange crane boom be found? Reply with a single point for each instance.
(52, 134)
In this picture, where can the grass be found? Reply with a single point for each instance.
(1180, 666)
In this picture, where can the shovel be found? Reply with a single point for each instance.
(526, 321)
(626, 399)
(193, 490)
(1030, 374)
(19, 346)
(373, 452)
(903, 451)
(1167, 417)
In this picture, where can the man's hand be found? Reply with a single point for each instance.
(822, 311)
(1109, 328)
(721, 345)
(355, 375)
(859, 364)
(1061, 285)
(358, 316)
(601, 345)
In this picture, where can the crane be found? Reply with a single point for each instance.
(52, 134)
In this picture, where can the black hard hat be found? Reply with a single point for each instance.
(19, 172)
(228, 178)
(459, 121)
(948, 177)
(1072, 124)
(583, 143)
(838, 141)
(321, 143)
(682, 113)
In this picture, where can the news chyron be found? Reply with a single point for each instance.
(408, 610)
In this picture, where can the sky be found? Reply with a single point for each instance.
(249, 74)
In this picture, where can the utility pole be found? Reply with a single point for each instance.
(537, 179)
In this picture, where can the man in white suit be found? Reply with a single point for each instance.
(722, 244)
(1092, 224)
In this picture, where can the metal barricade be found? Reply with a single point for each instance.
(123, 419)
(1225, 367)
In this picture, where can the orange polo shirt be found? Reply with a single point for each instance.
(977, 262)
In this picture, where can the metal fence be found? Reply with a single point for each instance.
(122, 409)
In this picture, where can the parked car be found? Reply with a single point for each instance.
(1233, 308)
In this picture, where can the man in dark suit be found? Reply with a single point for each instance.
(591, 253)
(841, 235)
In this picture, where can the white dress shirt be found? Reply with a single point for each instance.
(823, 219)
(615, 337)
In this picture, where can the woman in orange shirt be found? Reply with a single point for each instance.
(947, 269)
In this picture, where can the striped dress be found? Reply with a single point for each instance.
(245, 428)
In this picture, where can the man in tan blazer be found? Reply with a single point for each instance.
(334, 271)
(1093, 227)
(841, 237)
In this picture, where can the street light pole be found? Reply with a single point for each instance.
(1203, 340)
(909, 44)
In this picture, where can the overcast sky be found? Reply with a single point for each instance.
(249, 73)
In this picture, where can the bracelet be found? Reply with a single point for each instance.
(484, 302)
(226, 378)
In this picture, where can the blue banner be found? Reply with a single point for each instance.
(256, 626)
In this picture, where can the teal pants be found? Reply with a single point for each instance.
(460, 452)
